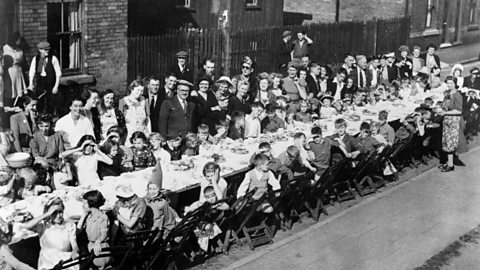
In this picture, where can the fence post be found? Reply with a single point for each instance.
(375, 34)
(227, 50)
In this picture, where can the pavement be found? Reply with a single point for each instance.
(397, 229)
(467, 55)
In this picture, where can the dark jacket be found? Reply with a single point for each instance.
(187, 73)
(235, 104)
(155, 109)
(312, 85)
(332, 87)
(437, 59)
(203, 112)
(356, 78)
(467, 82)
(173, 120)
(234, 133)
(405, 70)
(283, 53)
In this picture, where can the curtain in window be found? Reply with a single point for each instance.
(74, 39)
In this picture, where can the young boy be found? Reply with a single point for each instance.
(173, 147)
(259, 177)
(237, 126)
(275, 165)
(203, 134)
(252, 121)
(384, 128)
(367, 143)
(303, 115)
(156, 141)
(299, 141)
(321, 148)
(351, 144)
(272, 123)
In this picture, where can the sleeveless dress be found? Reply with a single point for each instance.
(15, 71)
(87, 170)
(136, 117)
(55, 244)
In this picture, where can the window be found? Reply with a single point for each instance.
(252, 3)
(430, 7)
(64, 33)
(472, 12)
(183, 3)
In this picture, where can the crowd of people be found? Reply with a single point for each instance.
(161, 120)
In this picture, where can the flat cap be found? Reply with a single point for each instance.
(182, 54)
(43, 45)
(184, 82)
(286, 33)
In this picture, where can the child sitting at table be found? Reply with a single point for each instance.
(259, 177)
(321, 148)
(156, 141)
(30, 187)
(385, 129)
(290, 121)
(252, 121)
(163, 216)
(203, 134)
(222, 128)
(211, 173)
(173, 147)
(303, 115)
(237, 126)
(274, 164)
(389, 170)
(351, 143)
(359, 99)
(192, 143)
(111, 149)
(113, 134)
(367, 143)
(143, 156)
(338, 107)
(272, 123)
(327, 111)
(299, 140)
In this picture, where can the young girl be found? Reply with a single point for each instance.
(143, 156)
(86, 157)
(290, 121)
(156, 141)
(211, 172)
(110, 148)
(192, 143)
(327, 111)
(96, 225)
(163, 217)
(303, 115)
(435, 80)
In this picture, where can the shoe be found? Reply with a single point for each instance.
(448, 169)
(441, 166)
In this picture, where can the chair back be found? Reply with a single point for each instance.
(84, 261)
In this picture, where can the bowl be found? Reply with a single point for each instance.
(18, 160)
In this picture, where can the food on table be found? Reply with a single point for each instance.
(239, 150)
(367, 112)
(218, 158)
(354, 117)
(21, 216)
(181, 165)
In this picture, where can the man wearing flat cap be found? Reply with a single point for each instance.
(473, 80)
(181, 69)
(44, 77)
(284, 52)
(389, 72)
(176, 113)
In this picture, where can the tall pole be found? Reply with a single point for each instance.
(337, 11)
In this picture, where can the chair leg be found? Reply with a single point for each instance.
(247, 236)
(226, 242)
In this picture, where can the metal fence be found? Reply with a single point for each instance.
(156, 55)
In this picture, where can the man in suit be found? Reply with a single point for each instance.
(23, 125)
(336, 86)
(473, 81)
(431, 59)
(284, 52)
(348, 62)
(181, 69)
(154, 101)
(176, 114)
(361, 76)
(312, 80)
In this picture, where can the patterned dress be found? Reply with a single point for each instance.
(451, 123)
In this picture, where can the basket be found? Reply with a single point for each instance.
(18, 160)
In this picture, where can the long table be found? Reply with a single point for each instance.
(185, 183)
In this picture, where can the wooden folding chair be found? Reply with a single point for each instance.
(315, 196)
(169, 253)
(340, 186)
(229, 221)
(141, 243)
(361, 180)
(122, 257)
(399, 155)
(84, 262)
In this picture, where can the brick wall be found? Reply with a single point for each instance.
(106, 42)
(104, 34)
(324, 10)
(32, 20)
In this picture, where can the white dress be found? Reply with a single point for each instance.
(55, 244)
(136, 118)
(87, 170)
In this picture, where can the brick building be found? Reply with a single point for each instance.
(441, 22)
(88, 36)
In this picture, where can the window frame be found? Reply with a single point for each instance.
(79, 33)
(252, 4)
(186, 3)
(429, 14)
(472, 12)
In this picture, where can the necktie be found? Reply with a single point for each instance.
(152, 104)
(184, 103)
(361, 78)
